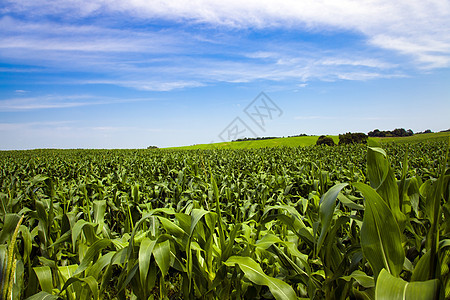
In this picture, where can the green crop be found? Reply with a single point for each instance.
(343, 222)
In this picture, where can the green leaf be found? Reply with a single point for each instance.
(94, 250)
(172, 228)
(218, 212)
(326, 210)
(38, 178)
(145, 256)
(168, 211)
(349, 203)
(76, 231)
(393, 288)
(100, 264)
(9, 225)
(362, 278)
(381, 240)
(90, 281)
(382, 179)
(444, 243)
(279, 289)
(43, 296)
(433, 208)
(44, 275)
(67, 271)
(422, 270)
(99, 211)
(196, 215)
(269, 240)
(413, 193)
(294, 221)
(162, 256)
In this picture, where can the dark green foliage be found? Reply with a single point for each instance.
(426, 131)
(398, 132)
(325, 140)
(352, 138)
(256, 138)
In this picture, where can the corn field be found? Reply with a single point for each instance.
(344, 222)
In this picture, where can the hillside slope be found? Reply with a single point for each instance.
(303, 141)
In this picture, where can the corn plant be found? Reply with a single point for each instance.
(344, 222)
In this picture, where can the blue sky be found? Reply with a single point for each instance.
(129, 74)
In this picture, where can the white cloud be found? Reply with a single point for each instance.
(44, 102)
(59, 101)
(51, 36)
(163, 59)
(148, 85)
(15, 127)
(389, 24)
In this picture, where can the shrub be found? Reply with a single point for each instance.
(325, 140)
(352, 138)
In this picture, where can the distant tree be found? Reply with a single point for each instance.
(255, 139)
(352, 138)
(394, 133)
(426, 131)
(152, 147)
(375, 133)
(399, 132)
(325, 140)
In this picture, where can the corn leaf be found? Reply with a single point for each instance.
(279, 289)
(90, 281)
(362, 278)
(94, 250)
(145, 255)
(161, 253)
(393, 288)
(326, 210)
(43, 296)
(382, 179)
(381, 240)
(44, 275)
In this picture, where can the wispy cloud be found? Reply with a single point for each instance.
(419, 28)
(163, 59)
(196, 51)
(21, 126)
(147, 84)
(58, 101)
(31, 103)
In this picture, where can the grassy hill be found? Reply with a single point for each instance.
(299, 141)
(425, 137)
(302, 141)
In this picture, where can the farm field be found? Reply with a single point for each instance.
(317, 222)
(298, 141)
(303, 141)
(417, 138)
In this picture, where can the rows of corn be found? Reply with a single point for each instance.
(344, 222)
